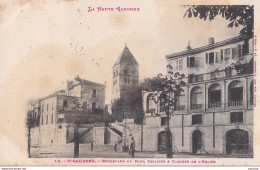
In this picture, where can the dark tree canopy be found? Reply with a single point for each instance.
(131, 105)
(242, 15)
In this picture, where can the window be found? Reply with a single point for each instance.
(227, 53)
(42, 107)
(235, 93)
(196, 98)
(211, 58)
(125, 71)
(180, 102)
(47, 119)
(192, 78)
(163, 121)
(93, 105)
(196, 119)
(65, 103)
(47, 107)
(221, 55)
(236, 117)
(179, 64)
(190, 61)
(52, 119)
(127, 81)
(199, 78)
(214, 96)
(94, 94)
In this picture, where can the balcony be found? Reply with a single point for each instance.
(196, 106)
(235, 103)
(88, 110)
(150, 111)
(180, 108)
(214, 105)
(216, 74)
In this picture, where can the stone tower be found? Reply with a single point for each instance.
(125, 74)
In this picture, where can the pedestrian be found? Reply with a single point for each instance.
(132, 148)
(115, 146)
(91, 146)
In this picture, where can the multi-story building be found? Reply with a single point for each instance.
(125, 74)
(215, 112)
(87, 96)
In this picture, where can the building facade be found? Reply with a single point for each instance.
(125, 74)
(80, 96)
(215, 112)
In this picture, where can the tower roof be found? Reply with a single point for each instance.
(126, 57)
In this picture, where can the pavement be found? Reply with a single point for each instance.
(107, 151)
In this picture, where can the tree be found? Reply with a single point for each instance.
(30, 123)
(131, 105)
(78, 114)
(242, 15)
(167, 93)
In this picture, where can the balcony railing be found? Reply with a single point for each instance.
(235, 103)
(179, 108)
(88, 110)
(196, 106)
(217, 74)
(150, 111)
(214, 105)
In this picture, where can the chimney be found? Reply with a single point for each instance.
(211, 40)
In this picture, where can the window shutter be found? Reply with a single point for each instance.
(188, 61)
(216, 57)
(207, 58)
(239, 47)
(221, 55)
(234, 53)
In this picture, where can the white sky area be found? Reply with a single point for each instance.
(98, 38)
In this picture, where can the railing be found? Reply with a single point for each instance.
(235, 103)
(150, 111)
(179, 108)
(214, 105)
(89, 110)
(217, 74)
(196, 106)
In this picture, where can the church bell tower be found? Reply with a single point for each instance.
(125, 74)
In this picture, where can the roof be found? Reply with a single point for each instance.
(126, 57)
(206, 47)
(83, 81)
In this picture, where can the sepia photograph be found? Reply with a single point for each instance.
(128, 83)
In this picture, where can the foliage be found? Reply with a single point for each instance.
(168, 90)
(131, 106)
(242, 15)
(30, 121)
(79, 114)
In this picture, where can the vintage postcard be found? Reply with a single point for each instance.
(108, 82)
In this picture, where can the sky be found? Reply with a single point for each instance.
(45, 43)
